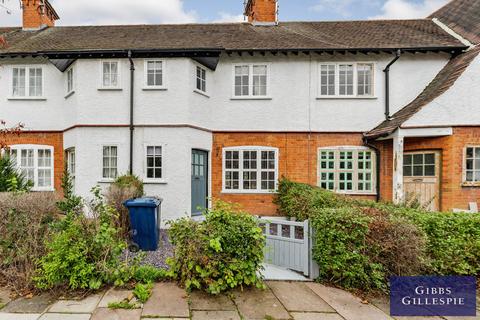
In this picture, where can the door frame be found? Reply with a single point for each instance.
(438, 169)
(207, 178)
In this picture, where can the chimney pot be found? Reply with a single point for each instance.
(38, 14)
(262, 12)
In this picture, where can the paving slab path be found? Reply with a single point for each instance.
(281, 300)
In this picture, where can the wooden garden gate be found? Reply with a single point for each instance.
(288, 245)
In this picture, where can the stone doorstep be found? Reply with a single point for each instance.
(296, 296)
(87, 305)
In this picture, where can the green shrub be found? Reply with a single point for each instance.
(25, 220)
(11, 179)
(147, 274)
(83, 253)
(223, 252)
(129, 181)
(70, 202)
(143, 291)
(340, 249)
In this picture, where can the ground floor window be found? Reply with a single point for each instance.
(472, 164)
(346, 169)
(250, 169)
(70, 157)
(36, 163)
(154, 162)
(110, 159)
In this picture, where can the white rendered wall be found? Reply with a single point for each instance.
(177, 145)
(460, 105)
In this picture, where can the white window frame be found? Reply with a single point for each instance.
(464, 166)
(70, 157)
(36, 148)
(27, 95)
(337, 80)
(146, 179)
(355, 169)
(108, 179)
(69, 90)
(258, 149)
(146, 86)
(250, 95)
(197, 89)
(119, 75)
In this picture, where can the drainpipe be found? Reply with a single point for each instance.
(387, 84)
(132, 128)
(377, 165)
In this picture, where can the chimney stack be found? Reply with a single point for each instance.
(38, 14)
(262, 12)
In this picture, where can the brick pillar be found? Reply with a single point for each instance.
(261, 11)
(38, 14)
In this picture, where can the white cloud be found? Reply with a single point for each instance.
(87, 12)
(228, 17)
(405, 9)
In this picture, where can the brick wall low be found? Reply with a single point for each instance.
(452, 191)
(54, 139)
(297, 161)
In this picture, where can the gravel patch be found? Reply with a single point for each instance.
(157, 258)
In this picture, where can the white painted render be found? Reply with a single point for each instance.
(460, 105)
(294, 103)
(177, 145)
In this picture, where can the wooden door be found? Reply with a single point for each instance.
(421, 178)
(199, 181)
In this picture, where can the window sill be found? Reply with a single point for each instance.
(353, 193)
(251, 98)
(68, 95)
(106, 181)
(246, 192)
(43, 189)
(347, 98)
(110, 89)
(470, 184)
(154, 88)
(155, 181)
(27, 98)
(200, 92)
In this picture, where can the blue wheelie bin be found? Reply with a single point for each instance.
(145, 222)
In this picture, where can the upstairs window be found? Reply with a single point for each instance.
(154, 73)
(251, 81)
(36, 163)
(27, 82)
(472, 164)
(70, 80)
(346, 80)
(201, 79)
(110, 158)
(346, 170)
(110, 74)
(250, 169)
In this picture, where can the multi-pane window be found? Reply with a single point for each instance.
(346, 170)
(346, 80)
(251, 80)
(36, 163)
(70, 155)
(70, 80)
(110, 158)
(250, 169)
(154, 73)
(419, 165)
(154, 162)
(110, 74)
(472, 164)
(27, 82)
(201, 79)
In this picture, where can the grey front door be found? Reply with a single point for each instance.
(199, 181)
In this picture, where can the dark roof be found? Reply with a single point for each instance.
(440, 84)
(344, 35)
(463, 17)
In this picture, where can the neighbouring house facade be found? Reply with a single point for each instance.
(225, 110)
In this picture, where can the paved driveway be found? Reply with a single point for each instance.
(281, 301)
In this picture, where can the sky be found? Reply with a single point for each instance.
(84, 12)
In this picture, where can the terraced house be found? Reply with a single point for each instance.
(374, 109)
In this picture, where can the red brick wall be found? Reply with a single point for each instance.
(50, 139)
(32, 17)
(297, 161)
(453, 194)
(263, 11)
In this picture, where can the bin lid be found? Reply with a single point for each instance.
(143, 202)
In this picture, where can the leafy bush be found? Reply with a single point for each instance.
(70, 203)
(11, 179)
(83, 253)
(24, 228)
(124, 188)
(147, 274)
(223, 252)
(143, 291)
